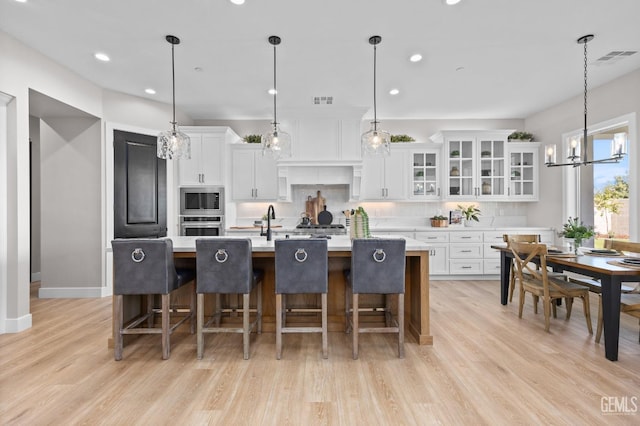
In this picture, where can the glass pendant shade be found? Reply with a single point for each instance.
(276, 144)
(376, 142)
(619, 145)
(549, 154)
(173, 144)
(575, 148)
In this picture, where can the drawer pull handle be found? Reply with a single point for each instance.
(431, 238)
(465, 238)
(465, 251)
(466, 267)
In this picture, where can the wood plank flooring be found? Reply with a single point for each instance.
(486, 367)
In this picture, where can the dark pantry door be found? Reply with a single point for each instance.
(140, 187)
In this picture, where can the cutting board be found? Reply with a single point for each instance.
(313, 207)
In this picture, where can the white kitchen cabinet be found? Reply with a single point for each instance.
(475, 164)
(466, 253)
(425, 174)
(523, 171)
(438, 251)
(254, 176)
(384, 178)
(206, 165)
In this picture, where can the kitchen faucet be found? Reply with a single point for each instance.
(271, 214)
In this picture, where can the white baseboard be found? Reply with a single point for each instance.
(16, 325)
(72, 292)
(36, 276)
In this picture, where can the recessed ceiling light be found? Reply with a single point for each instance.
(237, 1)
(451, 2)
(460, 69)
(198, 69)
(272, 91)
(102, 57)
(415, 57)
(394, 91)
(150, 91)
(21, 1)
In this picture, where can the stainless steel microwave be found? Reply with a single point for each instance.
(202, 201)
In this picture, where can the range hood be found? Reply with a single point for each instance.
(309, 172)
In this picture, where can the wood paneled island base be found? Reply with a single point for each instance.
(416, 285)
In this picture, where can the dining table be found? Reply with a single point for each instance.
(605, 268)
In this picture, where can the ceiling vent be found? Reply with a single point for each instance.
(615, 56)
(323, 100)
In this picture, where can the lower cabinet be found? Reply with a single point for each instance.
(439, 252)
(465, 253)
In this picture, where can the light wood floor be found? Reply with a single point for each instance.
(485, 367)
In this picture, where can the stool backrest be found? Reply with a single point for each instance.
(521, 238)
(224, 265)
(143, 266)
(625, 246)
(302, 266)
(378, 265)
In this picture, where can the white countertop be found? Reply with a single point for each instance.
(260, 244)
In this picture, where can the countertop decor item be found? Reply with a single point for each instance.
(470, 212)
(360, 224)
(578, 149)
(439, 221)
(375, 142)
(173, 143)
(276, 143)
(577, 230)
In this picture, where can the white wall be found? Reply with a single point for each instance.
(4, 133)
(34, 138)
(606, 102)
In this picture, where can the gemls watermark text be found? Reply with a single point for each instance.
(619, 405)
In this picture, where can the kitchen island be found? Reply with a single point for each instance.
(416, 280)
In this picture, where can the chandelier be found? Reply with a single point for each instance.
(276, 143)
(577, 154)
(375, 142)
(173, 143)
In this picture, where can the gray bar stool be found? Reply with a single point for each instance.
(377, 267)
(145, 267)
(301, 268)
(225, 266)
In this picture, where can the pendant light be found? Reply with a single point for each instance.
(276, 143)
(577, 151)
(173, 143)
(375, 142)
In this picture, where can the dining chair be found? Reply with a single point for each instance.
(146, 267)
(540, 284)
(377, 267)
(224, 266)
(302, 267)
(521, 238)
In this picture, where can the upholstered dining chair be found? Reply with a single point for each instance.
(145, 267)
(301, 268)
(540, 284)
(377, 267)
(225, 267)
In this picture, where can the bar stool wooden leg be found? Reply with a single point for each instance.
(356, 325)
(347, 310)
(199, 332)
(325, 340)
(150, 299)
(401, 325)
(193, 309)
(117, 326)
(278, 326)
(245, 325)
(166, 348)
(259, 307)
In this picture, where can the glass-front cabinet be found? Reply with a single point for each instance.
(523, 170)
(475, 165)
(425, 174)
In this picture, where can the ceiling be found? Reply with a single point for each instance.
(481, 58)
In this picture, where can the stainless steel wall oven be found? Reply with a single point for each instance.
(202, 211)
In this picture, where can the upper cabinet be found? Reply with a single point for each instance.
(523, 171)
(254, 177)
(425, 174)
(384, 178)
(474, 164)
(207, 165)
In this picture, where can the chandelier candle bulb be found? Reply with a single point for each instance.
(550, 154)
(619, 145)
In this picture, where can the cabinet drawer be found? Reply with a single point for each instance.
(465, 267)
(433, 237)
(465, 237)
(490, 253)
(492, 267)
(465, 251)
(494, 237)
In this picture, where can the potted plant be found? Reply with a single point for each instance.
(439, 221)
(455, 153)
(471, 212)
(485, 154)
(577, 230)
(521, 136)
(252, 139)
(402, 138)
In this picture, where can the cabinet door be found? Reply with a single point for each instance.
(492, 160)
(460, 168)
(438, 260)
(395, 178)
(523, 171)
(373, 177)
(265, 178)
(211, 161)
(189, 171)
(242, 164)
(425, 181)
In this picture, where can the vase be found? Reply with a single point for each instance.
(577, 242)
